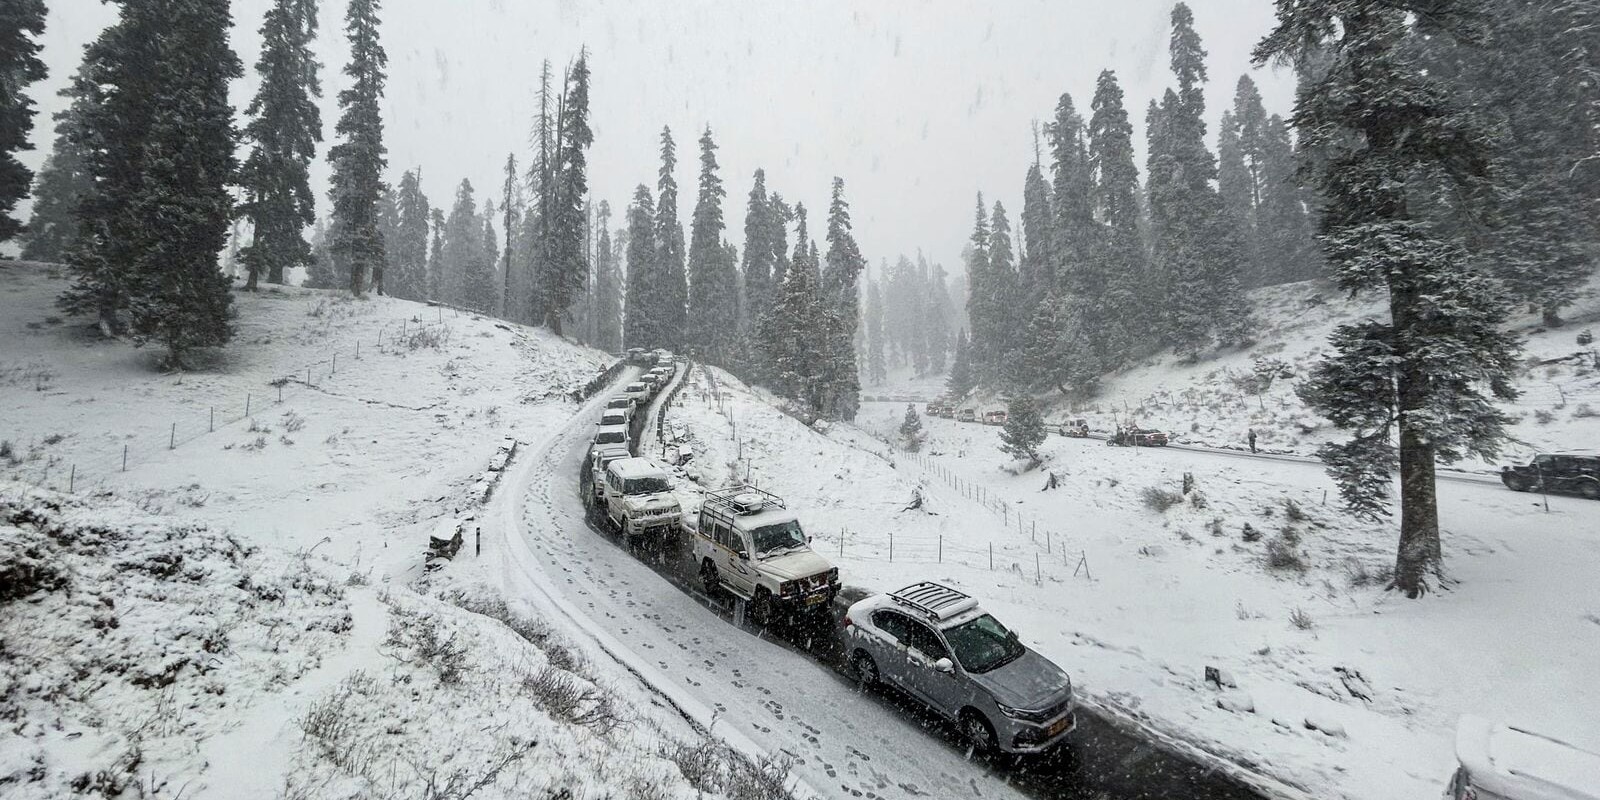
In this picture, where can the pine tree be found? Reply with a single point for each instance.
(873, 318)
(359, 160)
(641, 325)
(713, 284)
(21, 25)
(938, 315)
(179, 297)
(1120, 255)
(671, 283)
(511, 197)
(911, 433)
(1037, 267)
(63, 182)
(1059, 346)
(1074, 231)
(759, 258)
(983, 347)
(607, 285)
(799, 320)
(1004, 366)
(323, 271)
(1196, 249)
(388, 229)
(437, 283)
(567, 269)
(1284, 227)
(463, 250)
(409, 246)
(841, 292)
(284, 131)
(1024, 430)
(481, 286)
(961, 380)
(1429, 374)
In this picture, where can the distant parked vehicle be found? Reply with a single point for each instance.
(994, 417)
(614, 435)
(1575, 473)
(932, 409)
(966, 415)
(1076, 428)
(600, 457)
(939, 646)
(638, 356)
(639, 391)
(613, 416)
(1137, 437)
(1500, 762)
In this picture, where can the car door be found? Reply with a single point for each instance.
(741, 570)
(944, 692)
(893, 665)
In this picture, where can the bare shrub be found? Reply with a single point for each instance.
(259, 444)
(1583, 411)
(430, 338)
(333, 726)
(714, 768)
(1282, 554)
(1159, 499)
(1293, 511)
(293, 422)
(429, 645)
(1544, 416)
(8, 452)
(1214, 527)
(568, 699)
(1301, 620)
(1250, 533)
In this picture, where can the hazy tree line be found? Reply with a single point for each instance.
(785, 318)
(142, 188)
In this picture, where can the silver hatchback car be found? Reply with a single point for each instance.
(936, 644)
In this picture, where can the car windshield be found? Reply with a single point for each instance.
(649, 485)
(611, 437)
(983, 644)
(635, 387)
(778, 536)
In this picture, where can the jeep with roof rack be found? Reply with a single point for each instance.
(750, 544)
(938, 645)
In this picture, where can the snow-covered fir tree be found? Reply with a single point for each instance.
(283, 132)
(671, 292)
(912, 434)
(566, 271)
(21, 25)
(408, 249)
(1023, 431)
(641, 326)
(713, 283)
(1119, 252)
(63, 182)
(607, 285)
(872, 318)
(841, 291)
(962, 380)
(1427, 376)
(359, 158)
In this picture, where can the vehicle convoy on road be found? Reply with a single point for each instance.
(1500, 762)
(1575, 473)
(600, 457)
(638, 391)
(622, 403)
(966, 415)
(994, 417)
(939, 646)
(615, 435)
(612, 417)
(639, 502)
(748, 543)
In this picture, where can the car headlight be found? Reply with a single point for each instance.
(1014, 713)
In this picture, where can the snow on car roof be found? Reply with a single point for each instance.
(766, 516)
(630, 468)
(1518, 763)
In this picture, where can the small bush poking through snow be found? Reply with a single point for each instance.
(1583, 411)
(293, 422)
(1544, 416)
(1250, 533)
(714, 768)
(1301, 620)
(1283, 554)
(422, 634)
(1293, 511)
(1159, 499)
(1585, 337)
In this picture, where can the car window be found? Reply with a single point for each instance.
(778, 536)
(649, 485)
(983, 644)
(922, 639)
(891, 623)
(611, 437)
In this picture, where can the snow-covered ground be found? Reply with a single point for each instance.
(1343, 690)
(242, 612)
(1213, 403)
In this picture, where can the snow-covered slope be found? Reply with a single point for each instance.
(243, 611)
(1343, 690)
(1212, 402)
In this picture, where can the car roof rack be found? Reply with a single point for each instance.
(935, 600)
(740, 500)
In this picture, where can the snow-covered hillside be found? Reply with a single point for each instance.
(1214, 402)
(243, 611)
(1136, 586)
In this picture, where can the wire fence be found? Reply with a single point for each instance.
(188, 425)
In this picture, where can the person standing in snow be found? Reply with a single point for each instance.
(1252, 437)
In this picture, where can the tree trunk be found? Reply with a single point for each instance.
(356, 269)
(252, 273)
(552, 320)
(1419, 557)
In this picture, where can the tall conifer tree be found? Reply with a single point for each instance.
(671, 282)
(21, 25)
(359, 159)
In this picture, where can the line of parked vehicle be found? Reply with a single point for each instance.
(1123, 436)
(927, 640)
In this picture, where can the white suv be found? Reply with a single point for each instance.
(1500, 762)
(639, 499)
(748, 543)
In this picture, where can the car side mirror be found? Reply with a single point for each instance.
(744, 556)
(944, 665)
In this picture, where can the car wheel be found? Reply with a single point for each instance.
(977, 731)
(761, 607)
(708, 577)
(866, 670)
(1516, 484)
(1590, 489)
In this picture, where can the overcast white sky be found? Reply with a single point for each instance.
(917, 104)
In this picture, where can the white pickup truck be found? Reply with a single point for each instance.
(748, 543)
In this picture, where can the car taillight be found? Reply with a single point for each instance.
(848, 621)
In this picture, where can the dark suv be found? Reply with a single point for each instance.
(1556, 472)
